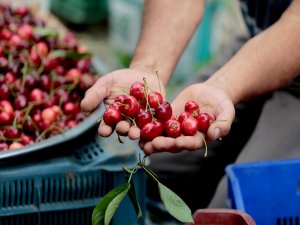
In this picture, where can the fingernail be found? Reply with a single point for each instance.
(216, 133)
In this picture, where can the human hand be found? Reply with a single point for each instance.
(108, 87)
(213, 100)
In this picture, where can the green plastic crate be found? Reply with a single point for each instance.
(80, 11)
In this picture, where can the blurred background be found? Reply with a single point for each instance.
(111, 29)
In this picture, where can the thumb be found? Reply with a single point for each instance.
(225, 114)
(97, 93)
(178, 106)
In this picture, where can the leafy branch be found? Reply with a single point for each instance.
(106, 208)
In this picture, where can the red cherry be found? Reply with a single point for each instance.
(49, 115)
(155, 99)
(164, 111)
(5, 118)
(15, 145)
(21, 11)
(112, 116)
(26, 140)
(41, 49)
(50, 64)
(143, 118)
(130, 107)
(190, 126)
(6, 106)
(2, 51)
(12, 132)
(84, 65)
(50, 102)
(37, 119)
(36, 95)
(73, 75)
(58, 81)
(57, 109)
(25, 31)
(183, 116)
(9, 78)
(159, 126)
(35, 58)
(3, 146)
(15, 40)
(137, 90)
(62, 96)
(6, 34)
(30, 81)
(151, 131)
(143, 103)
(71, 108)
(28, 125)
(60, 70)
(44, 124)
(4, 91)
(191, 106)
(120, 98)
(45, 82)
(3, 63)
(71, 123)
(116, 106)
(173, 128)
(86, 81)
(20, 102)
(204, 121)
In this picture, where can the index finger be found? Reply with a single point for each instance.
(96, 93)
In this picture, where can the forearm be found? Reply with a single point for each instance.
(167, 27)
(267, 62)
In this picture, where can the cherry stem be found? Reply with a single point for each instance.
(146, 93)
(41, 68)
(205, 144)
(9, 139)
(24, 73)
(120, 90)
(151, 91)
(99, 120)
(148, 171)
(219, 121)
(131, 173)
(158, 78)
(207, 105)
(52, 85)
(132, 120)
(119, 139)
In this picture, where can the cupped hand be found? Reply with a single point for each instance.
(109, 86)
(213, 100)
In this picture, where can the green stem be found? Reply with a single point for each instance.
(158, 80)
(148, 171)
(205, 144)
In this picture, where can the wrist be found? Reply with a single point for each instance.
(151, 66)
(222, 82)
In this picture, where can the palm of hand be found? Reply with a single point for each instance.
(212, 100)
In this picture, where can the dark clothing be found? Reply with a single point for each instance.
(260, 14)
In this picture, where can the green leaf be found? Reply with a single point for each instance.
(99, 212)
(45, 32)
(69, 54)
(134, 200)
(114, 204)
(174, 204)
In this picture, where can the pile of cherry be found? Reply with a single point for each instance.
(43, 78)
(154, 116)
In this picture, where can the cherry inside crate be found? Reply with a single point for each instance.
(64, 142)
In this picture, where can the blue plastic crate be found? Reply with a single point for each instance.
(65, 190)
(268, 191)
